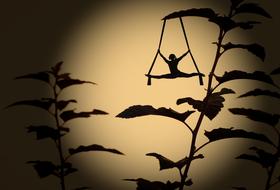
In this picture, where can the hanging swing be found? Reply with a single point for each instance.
(173, 61)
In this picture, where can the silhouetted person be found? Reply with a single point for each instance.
(172, 63)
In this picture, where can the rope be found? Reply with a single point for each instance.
(188, 46)
(153, 63)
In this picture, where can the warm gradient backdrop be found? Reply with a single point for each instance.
(113, 43)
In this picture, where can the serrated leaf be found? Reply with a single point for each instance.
(144, 110)
(63, 103)
(93, 147)
(225, 91)
(252, 8)
(166, 163)
(68, 169)
(257, 115)
(42, 76)
(181, 163)
(224, 22)
(143, 184)
(214, 103)
(43, 103)
(260, 92)
(255, 49)
(203, 12)
(247, 25)
(236, 75)
(224, 133)
(265, 159)
(253, 158)
(43, 132)
(70, 114)
(275, 71)
(65, 81)
(57, 68)
(43, 168)
(227, 24)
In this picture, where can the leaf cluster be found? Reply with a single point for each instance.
(57, 108)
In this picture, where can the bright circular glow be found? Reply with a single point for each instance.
(114, 48)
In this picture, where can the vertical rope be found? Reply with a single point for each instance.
(188, 46)
(153, 63)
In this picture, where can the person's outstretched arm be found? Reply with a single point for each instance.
(182, 56)
(166, 60)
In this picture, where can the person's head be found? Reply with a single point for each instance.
(172, 57)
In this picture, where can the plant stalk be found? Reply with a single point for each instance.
(202, 114)
(268, 184)
(59, 142)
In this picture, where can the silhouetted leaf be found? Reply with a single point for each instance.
(143, 184)
(57, 68)
(43, 168)
(257, 115)
(68, 115)
(189, 182)
(43, 132)
(65, 129)
(255, 49)
(165, 163)
(43, 103)
(214, 103)
(43, 76)
(65, 81)
(265, 159)
(224, 22)
(93, 147)
(246, 25)
(249, 157)
(235, 75)
(275, 71)
(260, 92)
(225, 91)
(239, 188)
(68, 169)
(203, 12)
(63, 76)
(227, 24)
(181, 163)
(252, 8)
(63, 103)
(139, 110)
(223, 133)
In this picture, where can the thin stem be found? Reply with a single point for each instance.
(270, 173)
(268, 184)
(202, 114)
(275, 183)
(187, 125)
(202, 146)
(59, 142)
